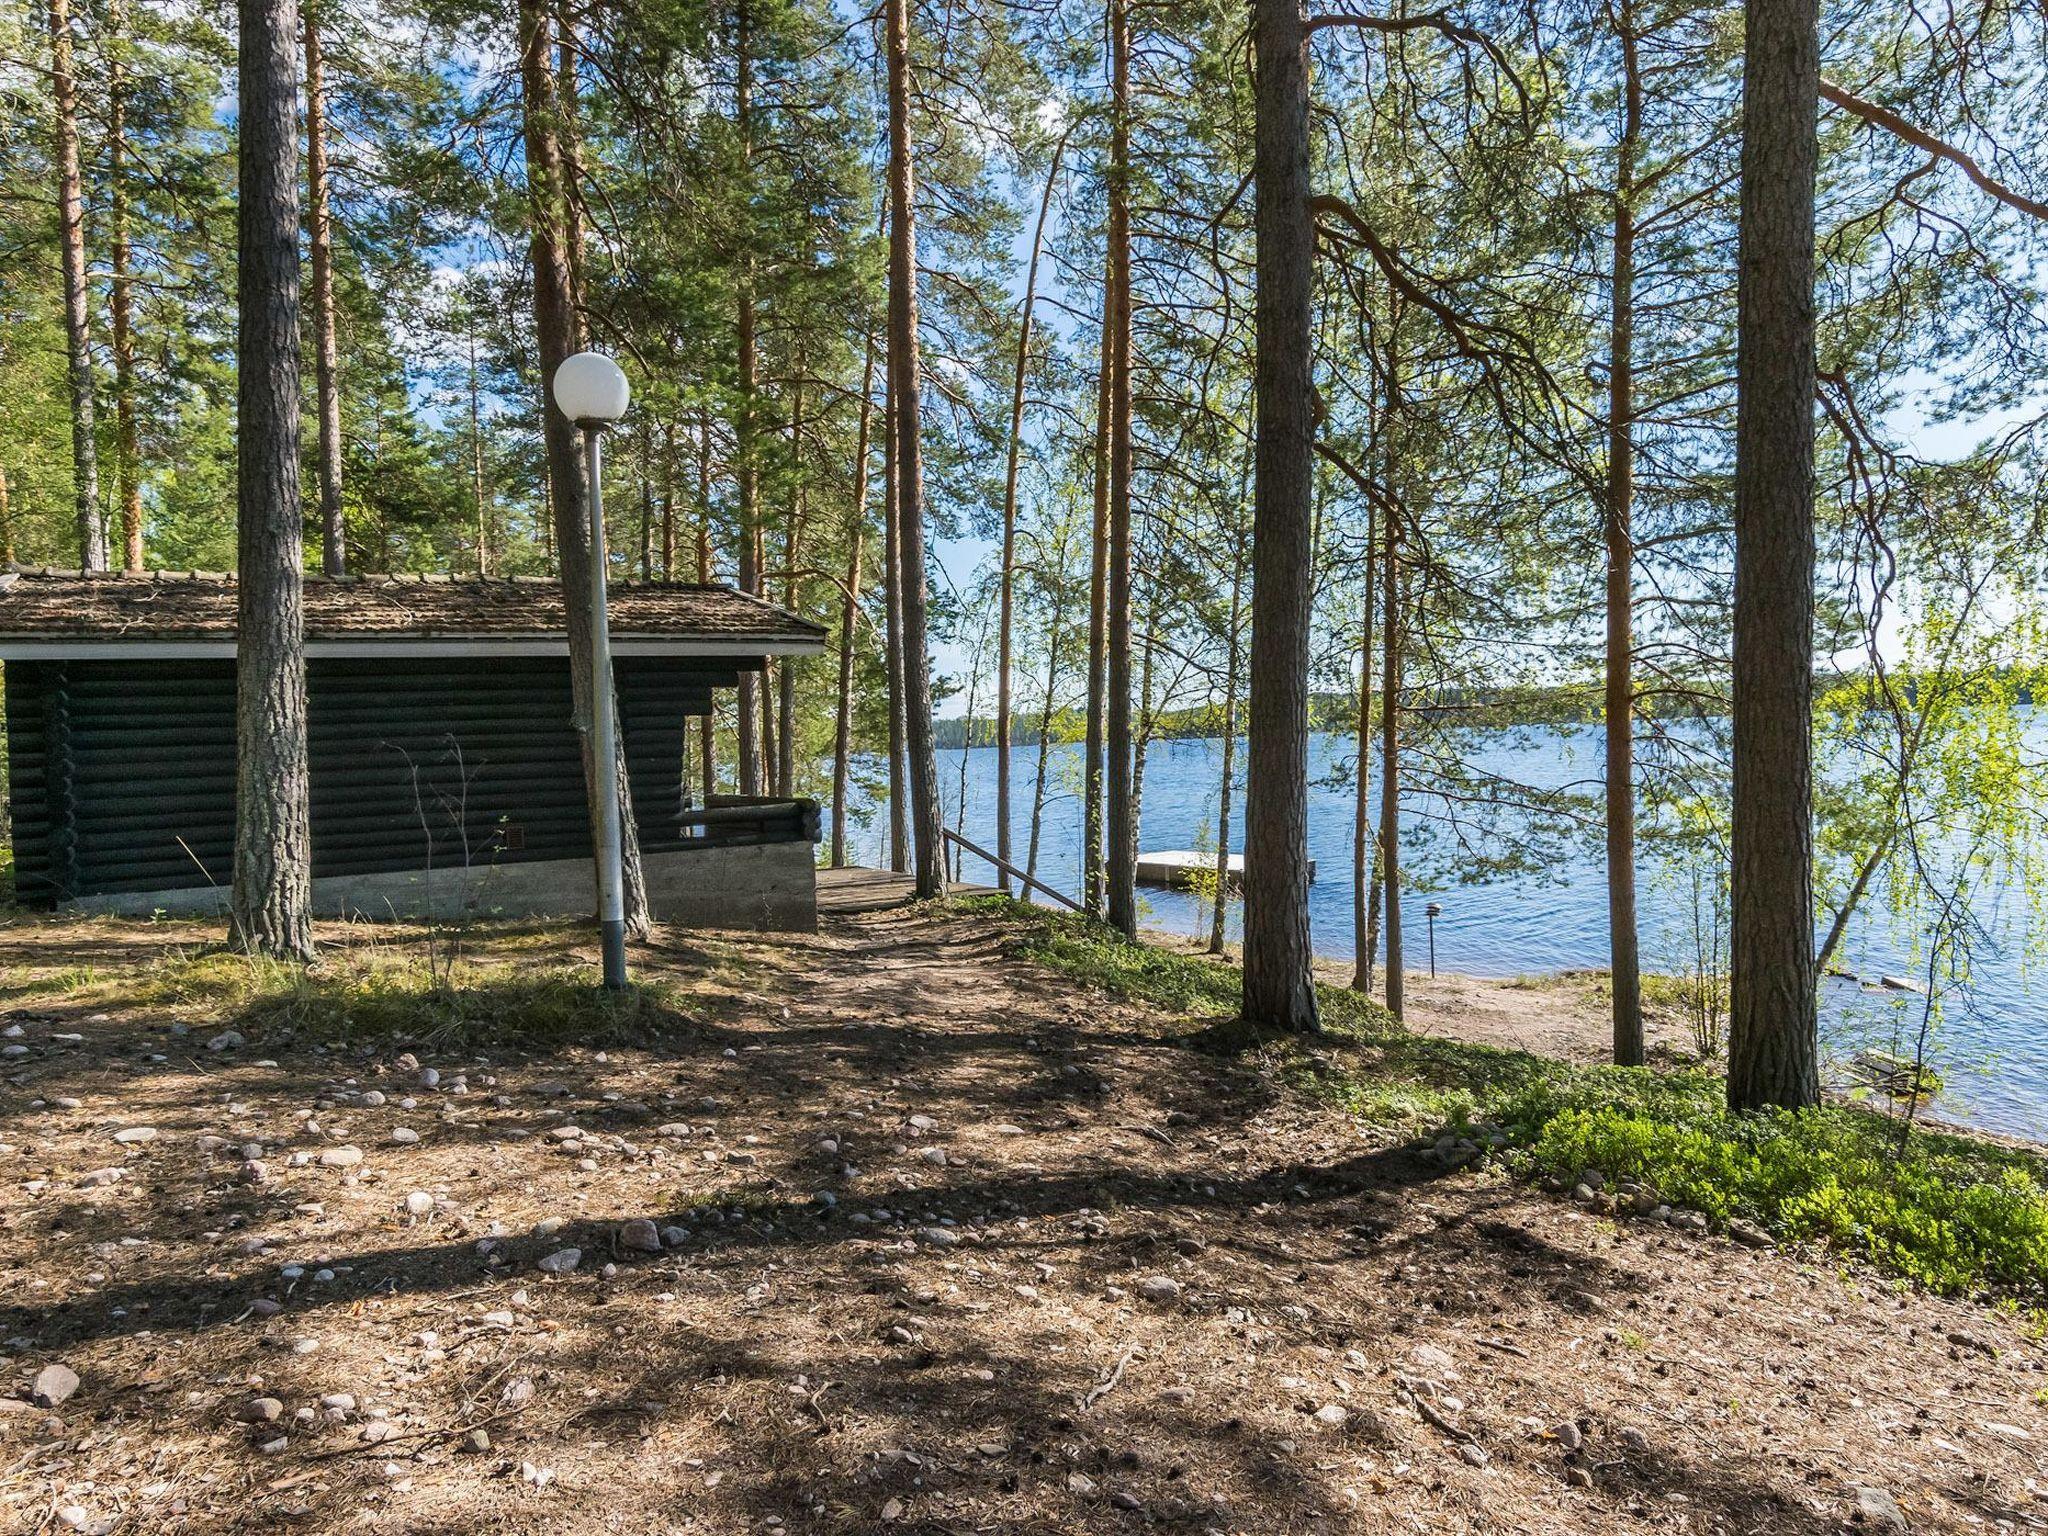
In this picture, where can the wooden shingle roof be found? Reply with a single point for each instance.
(58, 612)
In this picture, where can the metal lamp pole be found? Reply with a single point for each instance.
(1433, 911)
(591, 390)
(604, 731)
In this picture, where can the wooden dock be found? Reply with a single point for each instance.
(853, 889)
(1182, 867)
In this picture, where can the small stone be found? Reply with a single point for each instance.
(54, 1384)
(404, 1135)
(100, 1178)
(477, 1441)
(939, 1237)
(892, 1509)
(1634, 1439)
(341, 1157)
(1879, 1510)
(1578, 1477)
(1161, 1290)
(561, 1261)
(419, 1203)
(254, 1171)
(226, 1040)
(262, 1410)
(135, 1135)
(372, 1099)
(1474, 1456)
(640, 1237)
(1333, 1415)
(1749, 1235)
(1568, 1435)
(1080, 1482)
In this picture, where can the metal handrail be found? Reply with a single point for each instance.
(1029, 882)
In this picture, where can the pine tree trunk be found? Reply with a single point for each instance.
(121, 299)
(557, 329)
(849, 613)
(792, 597)
(478, 494)
(752, 697)
(326, 349)
(1121, 856)
(905, 386)
(1008, 577)
(1390, 767)
(1624, 961)
(892, 576)
(1772, 1052)
(1056, 627)
(668, 501)
(1098, 621)
(1364, 847)
(1233, 658)
(646, 503)
(1279, 984)
(272, 891)
(85, 460)
(6, 521)
(707, 723)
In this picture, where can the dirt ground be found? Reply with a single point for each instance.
(952, 1246)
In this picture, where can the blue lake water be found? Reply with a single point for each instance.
(1991, 1044)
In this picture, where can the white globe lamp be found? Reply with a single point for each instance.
(592, 390)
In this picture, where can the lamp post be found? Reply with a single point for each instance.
(591, 390)
(1433, 911)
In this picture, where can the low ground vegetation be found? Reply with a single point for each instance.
(1952, 1212)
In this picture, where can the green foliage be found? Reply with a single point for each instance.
(1945, 1211)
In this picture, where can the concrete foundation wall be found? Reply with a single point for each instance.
(769, 887)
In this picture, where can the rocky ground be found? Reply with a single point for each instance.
(889, 1230)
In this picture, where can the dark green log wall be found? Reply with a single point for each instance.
(122, 772)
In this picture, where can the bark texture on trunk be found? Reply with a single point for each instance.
(892, 659)
(905, 385)
(1098, 622)
(1121, 855)
(1365, 868)
(707, 724)
(326, 348)
(121, 298)
(1624, 959)
(751, 698)
(558, 334)
(85, 457)
(1279, 986)
(1232, 665)
(270, 903)
(849, 613)
(1006, 598)
(1772, 1053)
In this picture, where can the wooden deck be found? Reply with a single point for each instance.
(842, 892)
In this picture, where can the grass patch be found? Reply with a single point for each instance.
(1945, 1211)
(500, 995)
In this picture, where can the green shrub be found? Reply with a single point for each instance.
(1946, 1211)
